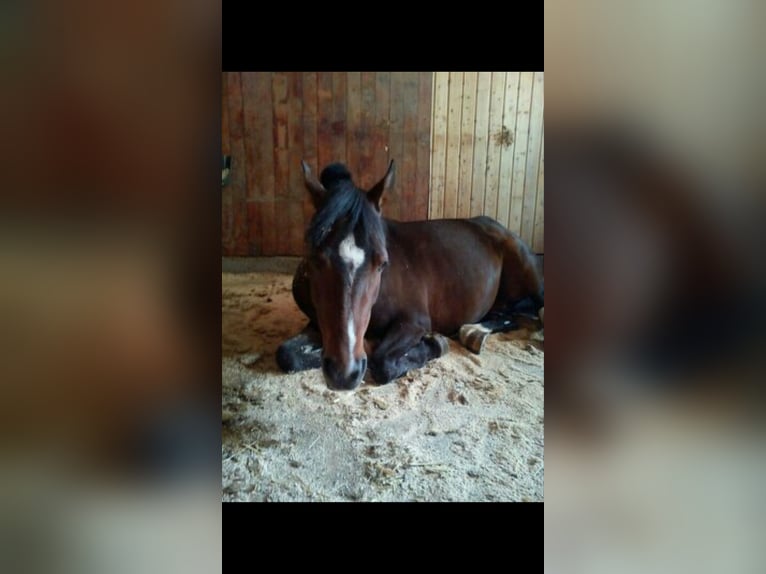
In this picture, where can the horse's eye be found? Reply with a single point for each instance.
(382, 266)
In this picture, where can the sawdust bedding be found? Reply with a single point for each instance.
(464, 427)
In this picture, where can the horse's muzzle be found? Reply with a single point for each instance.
(337, 379)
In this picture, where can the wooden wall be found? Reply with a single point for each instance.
(465, 143)
(487, 149)
(272, 120)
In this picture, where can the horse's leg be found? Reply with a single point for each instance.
(302, 291)
(302, 352)
(473, 335)
(431, 346)
(407, 345)
(521, 294)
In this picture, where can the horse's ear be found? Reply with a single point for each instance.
(375, 194)
(316, 189)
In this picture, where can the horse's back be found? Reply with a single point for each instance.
(479, 254)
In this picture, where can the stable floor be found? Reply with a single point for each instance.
(464, 427)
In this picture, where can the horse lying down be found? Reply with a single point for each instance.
(382, 294)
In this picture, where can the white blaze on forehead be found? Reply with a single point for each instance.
(351, 253)
(353, 256)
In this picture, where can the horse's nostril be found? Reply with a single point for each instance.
(338, 378)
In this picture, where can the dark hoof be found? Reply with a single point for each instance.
(381, 374)
(473, 337)
(286, 359)
(291, 359)
(439, 344)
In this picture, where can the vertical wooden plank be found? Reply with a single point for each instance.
(253, 85)
(295, 174)
(382, 130)
(496, 109)
(483, 85)
(338, 126)
(296, 228)
(533, 159)
(365, 139)
(539, 234)
(520, 153)
(409, 157)
(255, 221)
(394, 202)
(260, 169)
(256, 119)
(354, 124)
(508, 138)
(440, 107)
(423, 173)
(225, 150)
(468, 120)
(324, 121)
(281, 116)
(452, 172)
(309, 119)
(309, 143)
(238, 185)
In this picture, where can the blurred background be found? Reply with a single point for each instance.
(110, 396)
(110, 290)
(655, 284)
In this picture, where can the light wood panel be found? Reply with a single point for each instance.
(487, 149)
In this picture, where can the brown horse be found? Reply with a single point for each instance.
(389, 290)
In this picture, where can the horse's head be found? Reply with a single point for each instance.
(346, 256)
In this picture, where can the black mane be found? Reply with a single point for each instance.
(344, 210)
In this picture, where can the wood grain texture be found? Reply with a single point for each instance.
(486, 148)
(324, 121)
(394, 201)
(338, 124)
(521, 139)
(496, 110)
(382, 124)
(440, 108)
(281, 223)
(295, 190)
(467, 131)
(409, 150)
(445, 130)
(481, 142)
(423, 142)
(365, 134)
(354, 123)
(454, 128)
(509, 138)
(533, 159)
(259, 120)
(309, 146)
(237, 189)
(273, 120)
